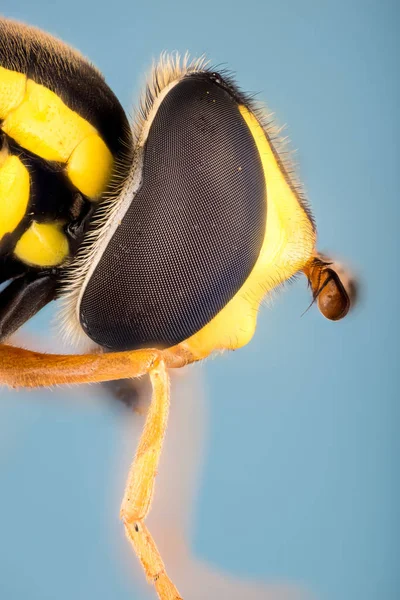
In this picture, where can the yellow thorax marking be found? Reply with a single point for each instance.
(89, 167)
(43, 245)
(12, 90)
(38, 120)
(44, 125)
(14, 192)
(288, 244)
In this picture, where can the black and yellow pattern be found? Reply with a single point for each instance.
(171, 264)
(61, 130)
(202, 222)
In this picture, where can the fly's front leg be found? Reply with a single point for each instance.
(140, 484)
(24, 368)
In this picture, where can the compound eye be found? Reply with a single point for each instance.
(334, 287)
(193, 229)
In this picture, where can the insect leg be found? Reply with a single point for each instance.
(140, 485)
(25, 368)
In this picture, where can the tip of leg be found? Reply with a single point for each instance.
(165, 588)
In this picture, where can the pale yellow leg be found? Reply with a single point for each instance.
(140, 484)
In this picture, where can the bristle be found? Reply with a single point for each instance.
(169, 70)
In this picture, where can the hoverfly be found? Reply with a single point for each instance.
(160, 239)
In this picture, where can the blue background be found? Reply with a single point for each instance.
(300, 479)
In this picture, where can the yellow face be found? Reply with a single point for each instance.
(289, 243)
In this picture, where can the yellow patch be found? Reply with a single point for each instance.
(288, 244)
(39, 121)
(43, 245)
(14, 192)
(12, 90)
(44, 125)
(89, 167)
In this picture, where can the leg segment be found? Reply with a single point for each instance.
(139, 488)
(19, 367)
(24, 368)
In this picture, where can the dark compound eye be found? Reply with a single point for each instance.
(193, 230)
